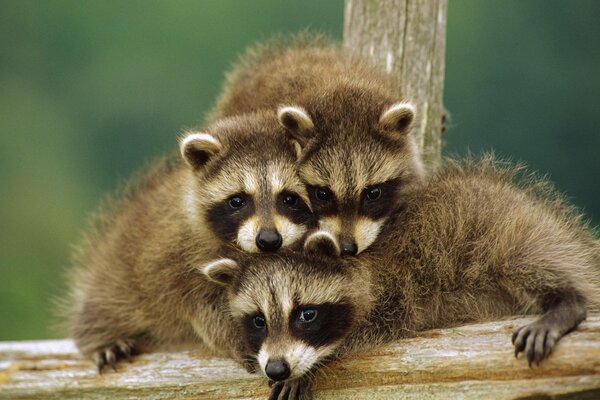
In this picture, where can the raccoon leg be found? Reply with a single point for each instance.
(109, 355)
(297, 389)
(564, 312)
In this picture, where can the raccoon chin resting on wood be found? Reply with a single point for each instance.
(134, 285)
(472, 245)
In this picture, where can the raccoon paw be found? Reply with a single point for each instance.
(297, 389)
(109, 355)
(536, 340)
(249, 366)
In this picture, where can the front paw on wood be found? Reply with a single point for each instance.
(535, 340)
(297, 389)
(110, 355)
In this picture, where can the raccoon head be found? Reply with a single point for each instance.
(357, 163)
(294, 310)
(243, 183)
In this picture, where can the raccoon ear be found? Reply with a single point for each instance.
(322, 242)
(222, 271)
(398, 117)
(197, 148)
(297, 122)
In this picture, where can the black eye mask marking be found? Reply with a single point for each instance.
(378, 201)
(255, 332)
(323, 324)
(323, 200)
(295, 209)
(226, 216)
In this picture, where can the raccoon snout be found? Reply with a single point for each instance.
(268, 240)
(278, 370)
(349, 247)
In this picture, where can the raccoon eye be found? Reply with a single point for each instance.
(308, 315)
(323, 194)
(290, 199)
(373, 193)
(259, 322)
(237, 201)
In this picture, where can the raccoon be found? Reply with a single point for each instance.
(134, 285)
(470, 246)
(352, 131)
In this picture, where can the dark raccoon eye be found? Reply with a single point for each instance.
(290, 199)
(323, 194)
(259, 322)
(308, 315)
(373, 193)
(237, 201)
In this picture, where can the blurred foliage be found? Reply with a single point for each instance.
(90, 91)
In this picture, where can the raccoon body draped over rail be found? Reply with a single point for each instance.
(351, 129)
(470, 246)
(134, 282)
(309, 138)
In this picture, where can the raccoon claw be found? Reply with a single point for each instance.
(249, 366)
(535, 341)
(297, 389)
(110, 355)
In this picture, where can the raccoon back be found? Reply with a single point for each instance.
(481, 241)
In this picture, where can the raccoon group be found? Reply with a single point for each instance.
(299, 225)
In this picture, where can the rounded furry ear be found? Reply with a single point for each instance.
(222, 271)
(294, 118)
(298, 123)
(323, 243)
(398, 117)
(197, 148)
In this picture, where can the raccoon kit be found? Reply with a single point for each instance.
(470, 246)
(358, 158)
(135, 283)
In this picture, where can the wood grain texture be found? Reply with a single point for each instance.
(408, 37)
(469, 362)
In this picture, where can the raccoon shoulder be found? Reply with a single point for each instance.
(129, 200)
(479, 219)
(492, 185)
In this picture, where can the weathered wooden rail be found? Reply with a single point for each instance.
(469, 362)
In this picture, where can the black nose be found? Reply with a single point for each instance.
(268, 240)
(349, 248)
(278, 370)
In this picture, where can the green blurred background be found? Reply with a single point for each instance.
(92, 90)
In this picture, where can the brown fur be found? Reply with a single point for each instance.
(479, 243)
(350, 148)
(473, 245)
(135, 283)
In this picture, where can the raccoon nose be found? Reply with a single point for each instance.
(278, 370)
(349, 248)
(268, 240)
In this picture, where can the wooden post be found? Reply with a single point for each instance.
(408, 38)
(468, 363)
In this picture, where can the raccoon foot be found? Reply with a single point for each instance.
(536, 340)
(249, 365)
(109, 356)
(297, 389)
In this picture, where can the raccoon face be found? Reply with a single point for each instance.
(244, 184)
(355, 179)
(293, 310)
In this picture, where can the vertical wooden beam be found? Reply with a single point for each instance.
(408, 38)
